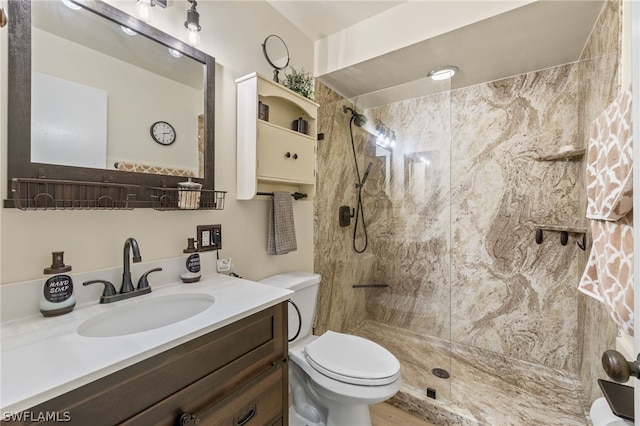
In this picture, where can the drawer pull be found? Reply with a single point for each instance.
(288, 155)
(186, 419)
(244, 420)
(295, 156)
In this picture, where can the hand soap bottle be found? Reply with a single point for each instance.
(191, 272)
(57, 296)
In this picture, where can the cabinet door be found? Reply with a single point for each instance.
(285, 155)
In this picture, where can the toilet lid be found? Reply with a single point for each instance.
(352, 359)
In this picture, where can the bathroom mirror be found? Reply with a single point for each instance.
(75, 76)
(277, 54)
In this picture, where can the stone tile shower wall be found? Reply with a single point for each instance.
(454, 239)
(518, 298)
(339, 304)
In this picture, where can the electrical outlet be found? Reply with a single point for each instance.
(206, 238)
(209, 237)
(224, 265)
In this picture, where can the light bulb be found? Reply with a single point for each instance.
(193, 34)
(143, 10)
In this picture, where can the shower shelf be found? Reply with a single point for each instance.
(560, 228)
(573, 154)
(564, 233)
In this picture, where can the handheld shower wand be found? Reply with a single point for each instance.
(366, 175)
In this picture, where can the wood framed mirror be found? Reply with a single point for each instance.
(114, 109)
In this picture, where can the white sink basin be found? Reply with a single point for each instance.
(145, 315)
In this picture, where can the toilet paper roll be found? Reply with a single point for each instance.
(601, 415)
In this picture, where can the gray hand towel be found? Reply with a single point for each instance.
(282, 230)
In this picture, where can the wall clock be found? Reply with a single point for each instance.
(163, 133)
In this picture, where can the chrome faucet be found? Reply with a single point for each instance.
(127, 285)
(126, 290)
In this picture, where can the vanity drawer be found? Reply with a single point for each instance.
(258, 403)
(230, 356)
(255, 402)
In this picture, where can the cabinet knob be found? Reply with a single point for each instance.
(295, 156)
(186, 419)
(288, 155)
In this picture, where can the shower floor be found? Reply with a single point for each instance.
(484, 388)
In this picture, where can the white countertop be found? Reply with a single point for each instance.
(42, 358)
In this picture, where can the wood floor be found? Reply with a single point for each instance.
(384, 414)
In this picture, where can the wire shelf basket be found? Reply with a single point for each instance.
(50, 194)
(187, 199)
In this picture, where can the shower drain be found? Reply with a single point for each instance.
(441, 373)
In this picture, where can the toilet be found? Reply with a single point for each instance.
(334, 377)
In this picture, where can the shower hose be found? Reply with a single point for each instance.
(359, 207)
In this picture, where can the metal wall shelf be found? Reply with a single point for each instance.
(51, 194)
(186, 199)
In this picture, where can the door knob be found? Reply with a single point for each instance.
(618, 368)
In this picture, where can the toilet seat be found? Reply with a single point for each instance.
(352, 359)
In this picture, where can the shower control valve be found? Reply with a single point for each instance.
(345, 213)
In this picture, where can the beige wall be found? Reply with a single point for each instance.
(232, 33)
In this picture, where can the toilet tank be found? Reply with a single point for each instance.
(305, 285)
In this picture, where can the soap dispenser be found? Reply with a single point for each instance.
(57, 296)
(191, 272)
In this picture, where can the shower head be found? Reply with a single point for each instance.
(357, 118)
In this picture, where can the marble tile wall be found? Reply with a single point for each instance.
(511, 295)
(451, 218)
(340, 305)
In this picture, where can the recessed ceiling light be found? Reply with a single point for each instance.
(175, 53)
(128, 31)
(71, 5)
(443, 73)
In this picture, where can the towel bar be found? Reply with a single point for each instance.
(295, 195)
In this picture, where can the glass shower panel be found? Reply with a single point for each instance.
(402, 298)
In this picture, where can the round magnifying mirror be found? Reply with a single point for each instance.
(277, 54)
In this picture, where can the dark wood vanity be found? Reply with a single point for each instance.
(236, 375)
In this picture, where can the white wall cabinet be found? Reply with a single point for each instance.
(272, 156)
